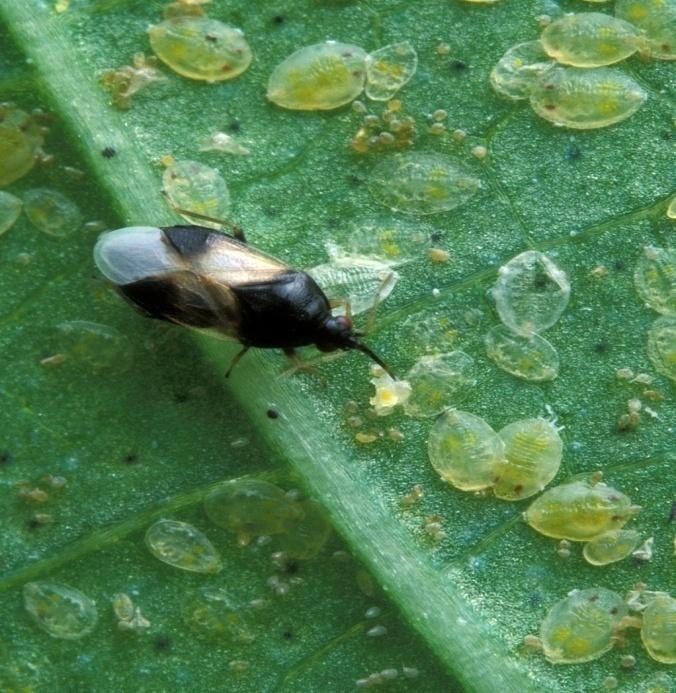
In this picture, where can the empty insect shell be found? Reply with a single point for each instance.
(61, 611)
(532, 458)
(308, 535)
(320, 77)
(611, 547)
(200, 48)
(590, 39)
(657, 19)
(662, 346)
(213, 613)
(520, 69)
(531, 293)
(183, 546)
(194, 187)
(361, 281)
(579, 511)
(390, 393)
(20, 141)
(530, 358)
(422, 183)
(658, 630)
(10, 208)
(580, 627)
(439, 381)
(388, 69)
(464, 449)
(655, 279)
(586, 99)
(252, 508)
(51, 212)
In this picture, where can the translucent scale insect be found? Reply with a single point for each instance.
(531, 293)
(320, 77)
(464, 450)
(655, 279)
(20, 141)
(520, 69)
(10, 209)
(662, 346)
(531, 358)
(61, 611)
(182, 546)
(532, 458)
(580, 627)
(587, 99)
(611, 547)
(657, 19)
(579, 511)
(658, 630)
(51, 212)
(200, 278)
(200, 48)
(388, 69)
(422, 183)
(590, 39)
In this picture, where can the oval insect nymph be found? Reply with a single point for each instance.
(519, 70)
(662, 346)
(655, 279)
(200, 278)
(532, 358)
(580, 627)
(61, 611)
(611, 547)
(590, 39)
(658, 631)
(657, 19)
(533, 451)
(579, 511)
(182, 546)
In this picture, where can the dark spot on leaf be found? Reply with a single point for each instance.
(130, 458)
(292, 568)
(270, 212)
(278, 19)
(5, 457)
(573, 152)
(272, 414)
(550, 106)
(459, 65)
(354, 180)
(234, 126)
(33, 524)
(613, 611)
(672, 514)
(594, 598)
(108, 152)
(180, 397)
(211, 38)
(619, 265)
(436, 236)
(162, 643)
(287, 635)
(518, 488)
(601, 347)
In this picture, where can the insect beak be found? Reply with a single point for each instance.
(356, 344)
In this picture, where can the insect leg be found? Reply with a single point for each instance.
(298, 364)
(236, 359)
(372, 314)
(236, 231)
(337, 302)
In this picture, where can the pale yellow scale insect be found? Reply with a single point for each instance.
(532, 458)
(611, 547)
(579, 511)
(657, 19)
(655, 279)
(587, 99)
(531, 358)
(658, 630)
(388, 69)
(20, 142)
(581, 627)
(182, 546)
(590, 39)
(320, 77)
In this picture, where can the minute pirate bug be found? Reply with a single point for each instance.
(206, 279)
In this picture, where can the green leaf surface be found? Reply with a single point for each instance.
(147, 436)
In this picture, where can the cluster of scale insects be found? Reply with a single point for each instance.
(566, 78)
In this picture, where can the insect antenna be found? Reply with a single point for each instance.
(236, 231)
(356, 344)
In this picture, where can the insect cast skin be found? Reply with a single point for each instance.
(210, 280)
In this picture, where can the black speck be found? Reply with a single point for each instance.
(270, 212)
(272, 414)
(278, 19)
(436, 236)
(287, 635)
(619, 265)
(211, 38)
(332, 223)
(108, 152)
(613, 611)
(291, 568)
(180, 398)
(573, 152)
(354, 180)
(601, 347)
(458, 66)
(162, 643)
(666, 135)
(5, 457)
(33, 524)
(130, 458)
(234, 126)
